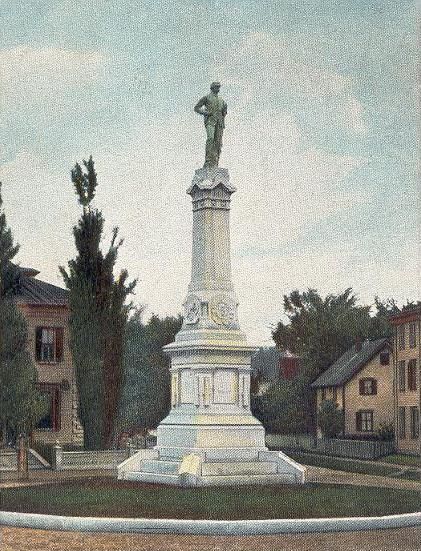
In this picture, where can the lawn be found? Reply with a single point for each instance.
(105, 497)
(399, 459)
(350, 466)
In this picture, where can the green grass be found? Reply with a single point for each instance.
(105, 497)
(341, 464)
(401, 459)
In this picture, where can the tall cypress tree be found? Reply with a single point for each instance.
(98, 314)
(21, 403)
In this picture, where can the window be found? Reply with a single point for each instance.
(401, 337)
(415, 422)
(412, 335)
(364, 421)
(402, 376)
(401, 422)
(412, 375)
(368, 386)
(384, 358)
(49, 344)
(51, 420)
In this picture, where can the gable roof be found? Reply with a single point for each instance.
(349, 363)
(36, 292)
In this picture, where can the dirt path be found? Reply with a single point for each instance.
(19, 539)
(320, 474)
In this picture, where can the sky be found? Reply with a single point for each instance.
(321, 140)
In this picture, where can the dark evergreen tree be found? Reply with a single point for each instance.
(21, 403)
(98, 314)
(330, 419)
(146, 391)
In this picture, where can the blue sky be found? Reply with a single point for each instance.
(321, 139)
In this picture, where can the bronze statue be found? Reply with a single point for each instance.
(214, 109)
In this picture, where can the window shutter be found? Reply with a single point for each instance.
(38, 343)
(374, 386)
(358, 421)
(361, 383)
(59, 344)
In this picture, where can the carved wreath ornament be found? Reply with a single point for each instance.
(222, 311)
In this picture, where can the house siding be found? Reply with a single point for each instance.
(55, 373)
(407, 398)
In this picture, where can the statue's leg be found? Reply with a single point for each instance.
(210, 156)
(218, 141)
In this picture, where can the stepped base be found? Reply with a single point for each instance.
(265, 467)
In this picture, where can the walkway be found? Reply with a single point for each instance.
(20, 539)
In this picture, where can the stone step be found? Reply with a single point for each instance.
(235, 480)
(238, 468)
(153, 478)
(159, 466)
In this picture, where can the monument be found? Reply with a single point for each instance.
(210, 436)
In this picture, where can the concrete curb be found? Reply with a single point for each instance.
(206, 527)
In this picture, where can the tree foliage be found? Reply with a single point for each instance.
(146, 390)
(21, 403)
(282, 408)
(330, 419)
(320, 330)
(98, 315)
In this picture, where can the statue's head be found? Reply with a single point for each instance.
(215, 86)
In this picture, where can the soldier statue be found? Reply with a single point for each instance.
(213, 108)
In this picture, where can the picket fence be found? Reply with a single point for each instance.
(355, 449)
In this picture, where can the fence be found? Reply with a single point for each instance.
(356, 449)
(85, 460)
(9, 460)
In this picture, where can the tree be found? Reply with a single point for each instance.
(320, 330)
(281, 409)
(330, 419)
(146, 389)
(98, 315)
(21, 403)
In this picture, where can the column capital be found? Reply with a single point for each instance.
(208, 178)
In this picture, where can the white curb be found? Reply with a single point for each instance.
(206, 527)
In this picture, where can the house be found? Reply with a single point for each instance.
(407, 365)
(361, 383)
(46, 311)
(269, 365)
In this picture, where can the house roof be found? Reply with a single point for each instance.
(350, 363)
(37, 292)
(266, 361)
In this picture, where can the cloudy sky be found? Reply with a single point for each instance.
(321, 139)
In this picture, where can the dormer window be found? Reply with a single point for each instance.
(384, 358)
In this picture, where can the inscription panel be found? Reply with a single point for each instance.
(223, 382)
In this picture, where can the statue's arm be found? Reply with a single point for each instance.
(224, 109)
(201, 103)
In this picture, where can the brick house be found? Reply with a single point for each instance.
(46, 311)
(407, 372)
(361, 383)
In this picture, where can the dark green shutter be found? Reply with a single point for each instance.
(38, 343)
(59, 344)
(358, 421)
